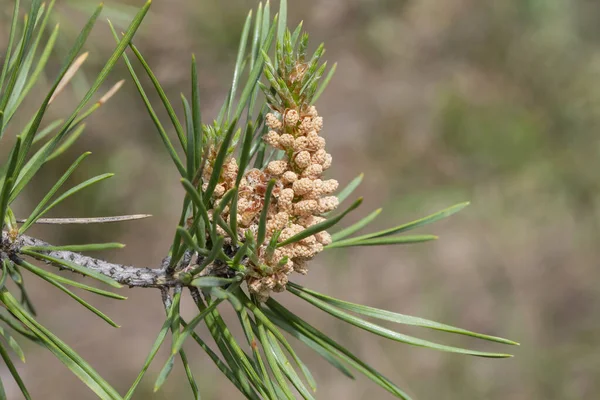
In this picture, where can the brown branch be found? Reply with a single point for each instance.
(124, 274)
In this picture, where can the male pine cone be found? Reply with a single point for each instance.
(299, 198)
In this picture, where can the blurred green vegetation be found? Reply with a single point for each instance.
(497, 102)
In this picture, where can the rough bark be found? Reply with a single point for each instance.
(131, 276)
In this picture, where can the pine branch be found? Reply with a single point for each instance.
(258, 207)
(124, 274)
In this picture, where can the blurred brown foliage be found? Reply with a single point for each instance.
(497, 102)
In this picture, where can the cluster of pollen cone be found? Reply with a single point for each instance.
(299, 198)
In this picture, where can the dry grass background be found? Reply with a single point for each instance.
(437, 102)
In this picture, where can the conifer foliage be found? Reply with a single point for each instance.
(258, 207)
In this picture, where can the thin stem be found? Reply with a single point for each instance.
(124, 274)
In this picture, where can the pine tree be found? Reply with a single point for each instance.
(258, 208)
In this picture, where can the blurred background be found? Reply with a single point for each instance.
(437, 102)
